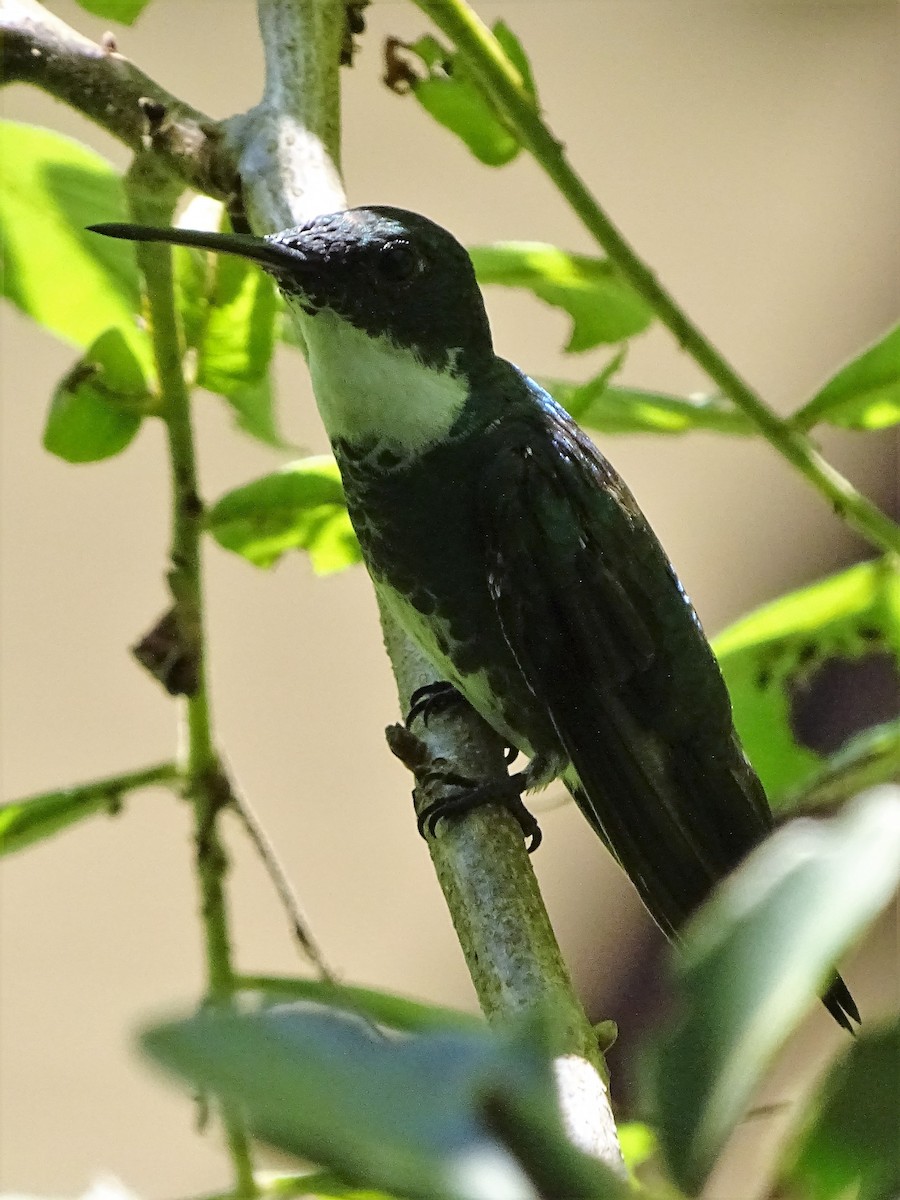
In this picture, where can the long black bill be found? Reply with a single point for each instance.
(273, 255)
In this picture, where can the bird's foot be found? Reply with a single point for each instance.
(437, 697)
(466, 794)
(432, 698)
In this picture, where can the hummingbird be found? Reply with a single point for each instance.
(511, 552)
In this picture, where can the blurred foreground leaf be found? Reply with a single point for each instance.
(452, 97)
(98, 406)
(773, 658)
(603, 306)
(70, 281)
(405, 1114)
(385, 1008)
(851, 1134)
(300, 507)
(865, 394)
(751, 962)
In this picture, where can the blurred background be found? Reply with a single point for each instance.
(750, 152)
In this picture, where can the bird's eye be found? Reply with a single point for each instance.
(398, 262)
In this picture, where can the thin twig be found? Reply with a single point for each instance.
(281, 883)
(151, 197)
(501, 82)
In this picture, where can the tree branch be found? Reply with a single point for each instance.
(495, 902)
(38, 48)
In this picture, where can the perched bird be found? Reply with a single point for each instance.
(510, 550)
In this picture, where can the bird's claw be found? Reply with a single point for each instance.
(468, 794)
(431, 698)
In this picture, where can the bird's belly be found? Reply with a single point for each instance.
(434, 638)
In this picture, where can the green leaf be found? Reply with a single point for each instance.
(239, 331)
(609, 409)
(865, 394)
(405, 1114)
(74, 283)
(751, 962)
(126, 11)
(385, 1008)
(229, 310)
(850, 1142)
(24, 822)
(772, 657)
(253, 405)
(871, 757)
(300, 507)
(603, 306)
(450, 94)
(98, 407)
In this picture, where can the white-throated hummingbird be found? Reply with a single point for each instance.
(509, 549)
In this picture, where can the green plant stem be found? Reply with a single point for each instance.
(152, 197)
(501, 82)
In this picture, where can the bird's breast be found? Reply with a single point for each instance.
(420, 530)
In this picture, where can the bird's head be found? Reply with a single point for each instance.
(391, 312)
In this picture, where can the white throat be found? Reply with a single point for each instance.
(368, 388)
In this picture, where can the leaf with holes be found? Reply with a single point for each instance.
(844, 629)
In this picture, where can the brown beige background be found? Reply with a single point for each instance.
(751, 151)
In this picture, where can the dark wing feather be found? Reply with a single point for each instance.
(611, 647)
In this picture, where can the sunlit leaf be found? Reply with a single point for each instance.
(603, 306)
(450, 94)
(406, 1114)
(230, 315)
(253, 405)
(865, 394)
(850, 1141)
(126, 11)
(774, 658)
(751, 962)
(98, 407)
(72, 282)
(239, 331)
(611, 409)
(300, 507)
(386, 1008)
